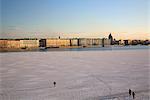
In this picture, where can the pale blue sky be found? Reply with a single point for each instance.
(76, 18)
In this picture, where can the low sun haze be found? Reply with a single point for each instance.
(125, 19)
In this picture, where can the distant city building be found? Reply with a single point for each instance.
(126, 42)
(117, 42)
(73, 42)
(54, 42)
(111, 39)
(42, 43)
(146, 42)
(103, 42)
(29, 44)
(9, 43)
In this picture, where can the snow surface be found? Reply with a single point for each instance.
(80, 75)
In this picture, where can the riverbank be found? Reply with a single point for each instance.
(62, 48)
(75, 48)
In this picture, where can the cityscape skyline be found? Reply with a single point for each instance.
(125, 19)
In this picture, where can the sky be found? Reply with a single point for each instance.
(125, 19)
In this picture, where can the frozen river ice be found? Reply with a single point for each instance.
(80, 75)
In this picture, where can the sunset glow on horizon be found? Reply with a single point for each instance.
(125, 19)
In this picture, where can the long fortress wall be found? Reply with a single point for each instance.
(52, 42)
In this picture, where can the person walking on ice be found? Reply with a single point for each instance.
(130, 92)
(54, 84)
(133, 94)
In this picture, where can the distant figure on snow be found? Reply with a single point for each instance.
(133, 94)
(54, 84)
(130, 92)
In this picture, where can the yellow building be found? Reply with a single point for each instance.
(96, 41)
(3, 43)
(9, 43)
(64, 42)
(57, 42)
(107, 42)
(73, 42)
(29, 43)
(53, 42)
(90, 41)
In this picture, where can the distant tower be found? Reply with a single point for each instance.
(111, 38)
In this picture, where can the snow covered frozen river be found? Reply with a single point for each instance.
(80, 75)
